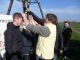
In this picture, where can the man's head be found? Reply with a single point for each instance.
(51, 18)
(17, 19)
(66, 24)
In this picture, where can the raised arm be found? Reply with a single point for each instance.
(42, 30)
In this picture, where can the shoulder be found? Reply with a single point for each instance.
(8, 32)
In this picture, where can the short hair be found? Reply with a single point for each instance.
(66, 22)
(52, 18)
(17, 15)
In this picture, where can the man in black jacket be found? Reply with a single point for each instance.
(67, 31)
(13, 38)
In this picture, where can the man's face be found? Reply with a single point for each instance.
(66, 24)
(19, 21)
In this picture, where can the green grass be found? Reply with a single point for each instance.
(76, 26)
(75, 36)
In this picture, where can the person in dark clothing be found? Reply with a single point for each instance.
(13, 38)
(59, 43)
(29, 41)
(67, 31)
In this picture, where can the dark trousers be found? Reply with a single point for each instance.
(25, 57)
(13, 56)
(66, 51)
(28, 57)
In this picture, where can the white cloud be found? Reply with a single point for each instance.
(66, 10)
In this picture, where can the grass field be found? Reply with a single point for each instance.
(75, 42)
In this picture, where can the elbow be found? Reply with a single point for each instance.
(47, 34)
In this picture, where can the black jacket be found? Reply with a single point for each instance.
(13, 38)
(59, 40)
(29, 41)
(36, 18)
(66, 35)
